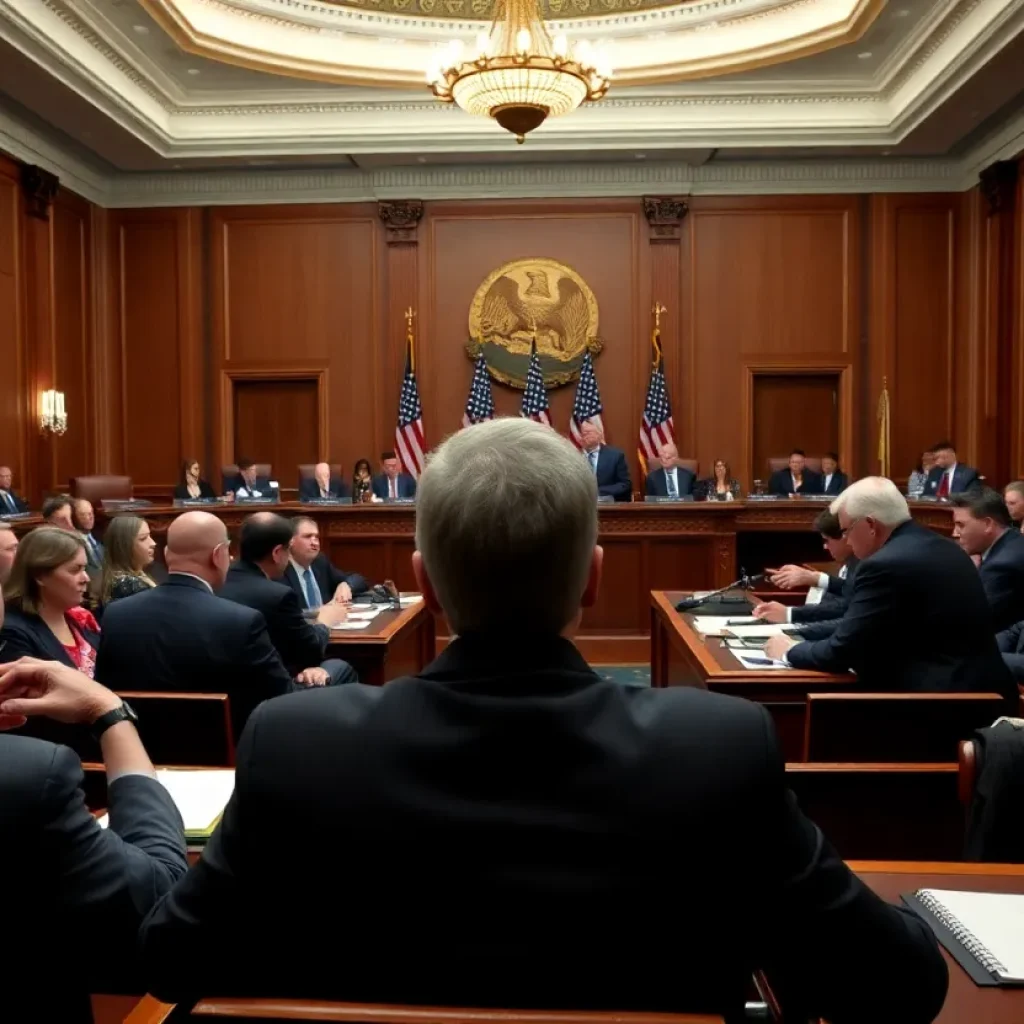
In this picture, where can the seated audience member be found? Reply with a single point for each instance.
(130, 550)
(311, 575)
(1013, 495)
(669, 480)
(10, 503)
(919, 477)
(323, 485)
(392, 483)
(8, 549)
(362, 482)
(56, 511)
(84, 518)
(834, 589)
(917, 618)
(71, 883)
(833, 479)
(526, 863)
(608, 464)
(721, 485)
(256, 580)
(181, 637)
(43, 598)
(252, 486)
(983, 528)
(797, 479)
(948, 476)
(191, 486)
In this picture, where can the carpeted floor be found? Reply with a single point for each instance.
(628, 675)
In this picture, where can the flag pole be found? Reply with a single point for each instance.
(884, 425)
(410, 315)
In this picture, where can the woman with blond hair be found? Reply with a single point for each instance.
(129, 552)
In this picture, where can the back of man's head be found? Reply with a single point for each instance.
(506, 527)
(874, 497)
(197, 544)
(264, 541)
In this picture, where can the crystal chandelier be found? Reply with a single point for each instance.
(520, 76)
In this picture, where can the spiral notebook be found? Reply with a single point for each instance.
(983, 931)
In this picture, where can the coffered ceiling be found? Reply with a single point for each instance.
(127, 90)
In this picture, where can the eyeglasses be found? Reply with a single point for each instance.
(846, 532)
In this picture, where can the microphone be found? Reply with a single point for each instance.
(744, 583)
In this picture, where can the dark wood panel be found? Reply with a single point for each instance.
(276, 421)
(12, 406)
(794, 411)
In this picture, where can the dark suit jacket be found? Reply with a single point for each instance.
(28, 636)
(781, 482)
(406, 486)
(327, 579)
(525, 866)
(262, 485)
(964, 479)
(613, 474)
(74, 884)
(835, 600)
(20, 504)
(337, 488)
(205, 491)
(1002, 576)
(836, 485)
(301, 644)
(1011, 645)
(657, 482)
(93, 556)
(917, 620)
(181, 638)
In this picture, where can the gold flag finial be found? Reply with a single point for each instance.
(657, 311)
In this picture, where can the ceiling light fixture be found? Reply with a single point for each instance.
(193, 71)
(520, 76)
(866, 55)
(143, 30)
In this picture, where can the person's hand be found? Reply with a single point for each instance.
(332, 613)
(790, 576)
(777, 646)
(770, 611)
(313, 677)
(343, 595)
(230, 496)
(30, 687)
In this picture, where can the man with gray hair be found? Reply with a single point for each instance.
(506, 812)
(917, 618)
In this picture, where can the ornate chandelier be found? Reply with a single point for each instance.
(520, 76)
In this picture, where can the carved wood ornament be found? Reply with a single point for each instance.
(40, 188)
(401, 218)
(665, 215)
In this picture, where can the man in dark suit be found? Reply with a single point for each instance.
(323, 486)
(796, 479)
(72, 883)
(531, 789)
(833, 479)
(392, 483)
(948, 476)
(607, 464)
(910, 584)
(670, 480)
(10, 503)
(311, 575)
(1011, 646)
(248, 485)
(255, 580)
(181, 637)
(84, 518)
(983, 528)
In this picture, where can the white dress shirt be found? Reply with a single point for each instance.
(819, 590)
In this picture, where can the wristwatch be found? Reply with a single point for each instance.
(124, 713)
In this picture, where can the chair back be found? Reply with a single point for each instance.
(782, 462)
(231, 479)
(307, 468)
(690, 464)
(185, 728)
(101, 485)
(922, 727)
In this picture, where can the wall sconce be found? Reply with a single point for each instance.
(52, 417)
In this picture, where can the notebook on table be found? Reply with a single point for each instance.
(982, 931)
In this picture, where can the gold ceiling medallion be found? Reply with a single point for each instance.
(530, 298)
(519, 75)
(460, 10)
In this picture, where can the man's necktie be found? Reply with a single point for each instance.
(593, 459)
(9, 502)
(312, 590)
(670, 480)
(943, 491)
(393, 487)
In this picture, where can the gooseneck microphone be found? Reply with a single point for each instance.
(744, 583)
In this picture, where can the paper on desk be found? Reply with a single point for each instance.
(710, 623)
(200, 796)
(408, 599)
(753, 659)
(365, 613)
(348, 624)
(765, 629)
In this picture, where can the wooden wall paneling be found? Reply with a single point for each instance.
(105, 350)
(1016, 383)
(13, 384)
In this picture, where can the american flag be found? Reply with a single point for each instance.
(588, 402)
(535, 398)
(480, 404)
(409, 441)
(656, 428)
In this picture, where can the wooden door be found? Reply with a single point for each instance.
(277, 421)
(794, 410)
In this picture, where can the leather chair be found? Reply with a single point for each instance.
(782, 462)
(690, 464)
(231, 479)
(102, 485)
(306, 471)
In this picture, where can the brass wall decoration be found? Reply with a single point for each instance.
(531, 297)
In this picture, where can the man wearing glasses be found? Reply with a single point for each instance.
(917, 620)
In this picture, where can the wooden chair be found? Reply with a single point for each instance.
(307, 471)
(893, 727)
(101, 486)
(691, 464)
(151, 1011)
(185, 728)
(231, 479)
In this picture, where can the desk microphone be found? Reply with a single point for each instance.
(744, 583)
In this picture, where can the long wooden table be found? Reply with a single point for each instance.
(394, 644)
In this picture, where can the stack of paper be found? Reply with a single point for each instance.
(350, 624)
(200, 796)
(407, 599)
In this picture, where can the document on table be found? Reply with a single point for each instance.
(200, 797)
(710, 623)
(756, 661)
(764, 629)
(408, 599)
(365, 613)
(349, 624)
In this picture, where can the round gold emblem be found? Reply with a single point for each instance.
(532, 298)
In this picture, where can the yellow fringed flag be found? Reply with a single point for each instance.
(884, 440)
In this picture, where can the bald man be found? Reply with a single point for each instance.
(181, 637)
(323, 486)
(669, 480)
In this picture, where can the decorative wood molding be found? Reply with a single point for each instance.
(40, 189)
(665, 215)
(401, 219)
(998, 183)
